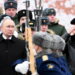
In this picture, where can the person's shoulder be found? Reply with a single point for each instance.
(18, 40)
(1, 37)
(60, 25)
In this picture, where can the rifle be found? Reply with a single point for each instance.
(38, 13)
(29, 46)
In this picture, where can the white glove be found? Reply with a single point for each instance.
(22, 67)
(35, 73)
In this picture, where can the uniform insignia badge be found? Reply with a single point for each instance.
(23, 12)
(50, 66)
(44, 21)
(52, 10)
(11, 4)
(30, 23)
(45, 57)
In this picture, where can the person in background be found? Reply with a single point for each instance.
(69, 51)
(22, 19)
(13, 54)
(1, 11)
(44, 25)
(10, 7)
(49, 57)
(54, 23)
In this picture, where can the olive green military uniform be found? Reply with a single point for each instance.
(20, 33)
(11, 4)
(57, 28)
(16, 19)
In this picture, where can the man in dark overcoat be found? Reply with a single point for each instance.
(69, 51)
(12, 51)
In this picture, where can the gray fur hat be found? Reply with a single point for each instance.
(48, 41)
(10, 4)
(58, 43)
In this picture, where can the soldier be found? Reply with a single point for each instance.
(49, 58)
(12, 51)
(22, 18)
(54, 23)
(22, 15)
(44, 25)
(10, 7)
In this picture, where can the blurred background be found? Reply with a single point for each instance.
(65, 8)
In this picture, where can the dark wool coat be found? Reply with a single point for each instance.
(48, 64)
(70, 51)
(11, 51)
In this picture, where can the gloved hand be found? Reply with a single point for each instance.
(71, 30)
(35, 73)
(22, 67)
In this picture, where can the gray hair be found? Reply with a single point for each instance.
(5, 18)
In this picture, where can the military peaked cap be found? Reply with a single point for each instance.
(48, 41)
(10, 4)
(49, 11)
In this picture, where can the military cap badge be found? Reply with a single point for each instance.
(11, 4)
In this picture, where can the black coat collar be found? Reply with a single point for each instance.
(13, 38)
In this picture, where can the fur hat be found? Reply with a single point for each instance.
(22, 13)
(58, 43)
(48, 41)
(49, 11)
(10, 4)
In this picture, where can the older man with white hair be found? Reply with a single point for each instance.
(13, 54)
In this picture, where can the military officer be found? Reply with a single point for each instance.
(44, 25)
(22, 18)
(49, 58)
(54, 23)
(10, 7)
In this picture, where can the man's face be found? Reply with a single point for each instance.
(11, 12)
(51, 18)
(8, 28)
(22, 20)
(44, 28)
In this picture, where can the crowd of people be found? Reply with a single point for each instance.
(53, 45)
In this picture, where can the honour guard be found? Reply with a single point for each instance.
(49, 58)
(53, 21)
(10, 7)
